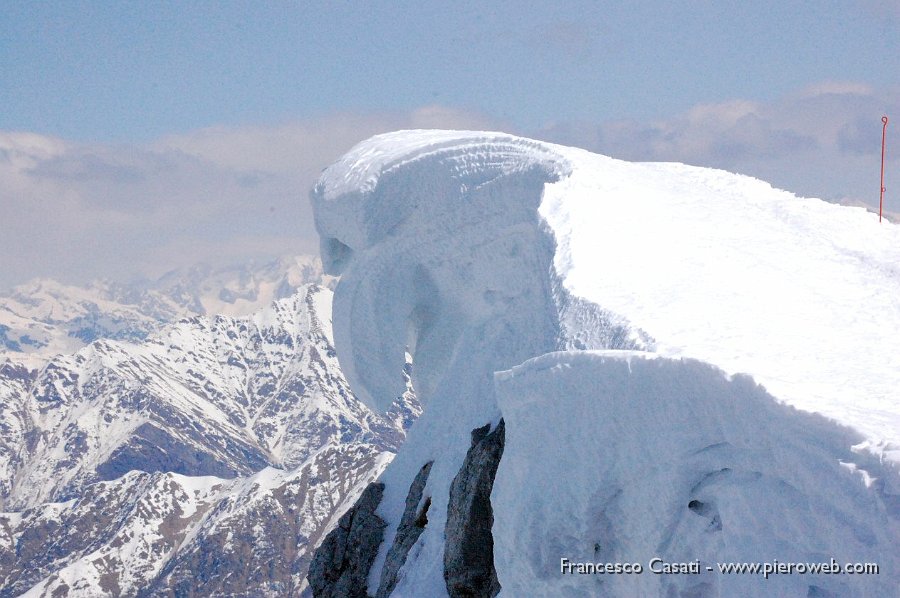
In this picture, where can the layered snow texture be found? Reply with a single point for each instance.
(208, 459)
(480, 251)
(656, 458)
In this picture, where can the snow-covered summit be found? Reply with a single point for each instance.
(798, 292)
(479, 252)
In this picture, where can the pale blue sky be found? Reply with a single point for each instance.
(129, 71)
(137, 136)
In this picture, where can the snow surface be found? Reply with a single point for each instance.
(719, 469)
(480, 251)
(799, 292)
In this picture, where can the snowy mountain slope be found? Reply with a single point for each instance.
(16, 422)
(162, 463)
(43, 318)
(481, 251)
(241, 393)
(799, 292)
(241, 289)
(163, 533)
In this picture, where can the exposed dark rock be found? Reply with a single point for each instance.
(15, 371)
(341, 565)
(153, 449)
(469, 547)
(7, 342)
(412, 524)
(264, 548)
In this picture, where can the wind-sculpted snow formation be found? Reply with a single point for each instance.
(603, 310)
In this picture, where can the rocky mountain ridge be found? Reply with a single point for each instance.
(207, 459)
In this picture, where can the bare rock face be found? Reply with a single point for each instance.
(412, 524)
(469, 548)
(341, 565)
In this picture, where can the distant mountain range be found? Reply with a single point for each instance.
(205, 457)
(43, 318)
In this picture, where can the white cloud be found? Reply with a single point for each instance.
(836, 88)
(822, 141)
(76, 211)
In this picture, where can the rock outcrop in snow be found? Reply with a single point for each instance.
(412, 524)
(479, 252)
(342, 563)
(469, 570)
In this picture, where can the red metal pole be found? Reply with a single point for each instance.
(884, 119)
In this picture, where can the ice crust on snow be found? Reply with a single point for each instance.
(480, 251)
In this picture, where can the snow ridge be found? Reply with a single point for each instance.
(478, 252)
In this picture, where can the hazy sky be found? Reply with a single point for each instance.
(136, 137)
